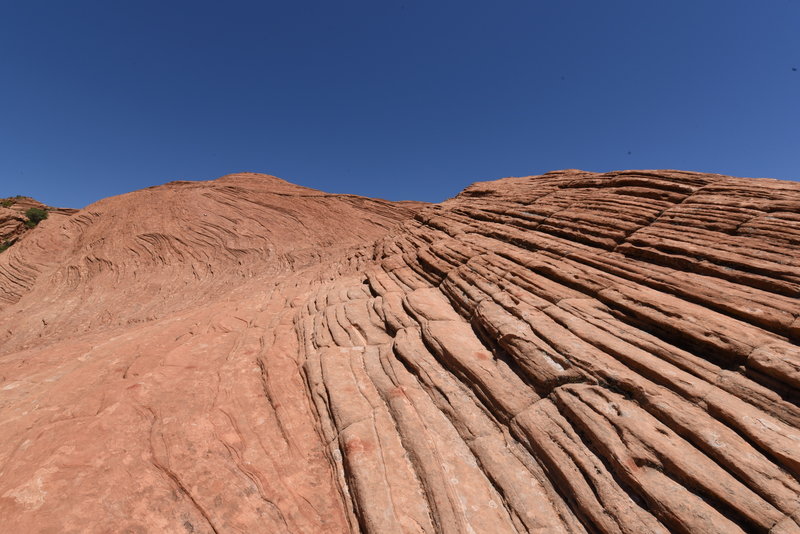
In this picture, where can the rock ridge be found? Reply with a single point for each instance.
(13, 219)
(571, 352)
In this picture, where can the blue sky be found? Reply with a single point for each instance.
(392, 99)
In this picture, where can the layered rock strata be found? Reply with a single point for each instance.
(13, 219)
(572, 352)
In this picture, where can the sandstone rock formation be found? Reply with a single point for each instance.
(13, 219)
(572, 352)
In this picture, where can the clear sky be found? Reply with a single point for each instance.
(394, 99)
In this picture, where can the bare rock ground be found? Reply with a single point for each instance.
(13, 219)
(572, 352)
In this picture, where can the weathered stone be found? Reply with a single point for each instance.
(572, 352)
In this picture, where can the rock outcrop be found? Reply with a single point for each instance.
(572, 352)
(14, 223)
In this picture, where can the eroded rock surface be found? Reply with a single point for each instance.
(13, 219)
(572, 352)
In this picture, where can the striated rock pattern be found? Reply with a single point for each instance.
(572, 352)
(12, 217)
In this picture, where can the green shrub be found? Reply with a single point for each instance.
(4, 246)
(7, 202)
(35, 216)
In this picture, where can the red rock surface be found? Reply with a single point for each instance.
(572, 352)
(13, 219)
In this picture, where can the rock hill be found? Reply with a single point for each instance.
(572, 352)
(14, 223)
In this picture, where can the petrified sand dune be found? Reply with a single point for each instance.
(572, 352)
(13, 219)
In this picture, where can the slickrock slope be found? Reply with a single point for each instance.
(13, 219)
(572, 352)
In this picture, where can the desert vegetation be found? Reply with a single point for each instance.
(35, 216)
